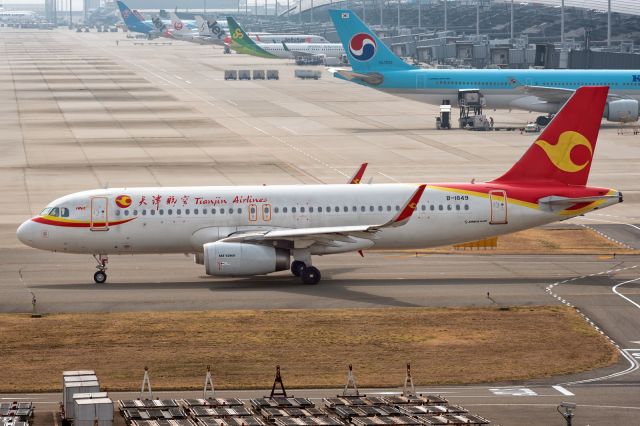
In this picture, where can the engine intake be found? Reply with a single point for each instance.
(240, 259)
(622, 110)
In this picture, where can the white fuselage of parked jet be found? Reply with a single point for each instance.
(181, 220)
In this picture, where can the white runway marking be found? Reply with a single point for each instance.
(562, 390)
(513, 391)
(615, 290)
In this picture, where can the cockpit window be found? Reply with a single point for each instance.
(55, 212)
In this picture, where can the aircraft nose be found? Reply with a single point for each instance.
(25, 233)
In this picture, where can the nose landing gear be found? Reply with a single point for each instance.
(100, 277)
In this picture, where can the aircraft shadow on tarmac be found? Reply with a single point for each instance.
(338, 289)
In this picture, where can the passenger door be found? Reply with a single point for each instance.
(99, 214)
(498, 207)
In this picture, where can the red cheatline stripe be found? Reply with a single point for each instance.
(78, 224)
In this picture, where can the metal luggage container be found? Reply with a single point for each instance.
(258, 75)
(87, 411)
(273, 75)
(244, 75)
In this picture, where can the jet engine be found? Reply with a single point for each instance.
(238, 259)
(622, 110)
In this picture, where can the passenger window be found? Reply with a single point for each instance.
(221, 211)
(195, 211)
(432, 207)
(284, 210)
(117, 212)
(276, 209)
(230, 210)
(310, 209)
(179, 212)
(301, 209)
(354, 209)
(337, 209)
(161, 212)
(126, 212)
(213, 211)
(345, 209)
(379, 208)
(293, 209)
(362, 209)
(389, 208)
(186, 211)
(204, 211)
(466, 206)
(448, 206)
(135, 212)
(440, 207)
(239, 210)
(457, 206)
(144, 212)
(153, 212)
(371, 208)
(319, 209)
(397, 208)
(424, 207)
(328, 209)
(169, 212)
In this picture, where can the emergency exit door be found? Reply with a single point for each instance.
(99, 214)
(498, 207)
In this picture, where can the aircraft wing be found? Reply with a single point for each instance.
(555, 95)
(330, 234)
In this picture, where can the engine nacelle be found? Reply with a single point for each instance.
(622, 110)
(238, 259)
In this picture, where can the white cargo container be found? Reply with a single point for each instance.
(95, 395)
(90, 410)
(78, 373)
(76, 387)
(84, 378)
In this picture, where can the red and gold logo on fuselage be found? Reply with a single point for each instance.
(123, 201)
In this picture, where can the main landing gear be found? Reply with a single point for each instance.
(100, 277)
(308, 274)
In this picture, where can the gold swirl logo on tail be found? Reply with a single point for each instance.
(560, 153)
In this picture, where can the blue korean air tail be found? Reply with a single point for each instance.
(364, 49)
(132, 22)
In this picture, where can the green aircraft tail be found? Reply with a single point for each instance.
(242, 43)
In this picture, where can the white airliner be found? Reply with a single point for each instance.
(242, 42)
(252, 230)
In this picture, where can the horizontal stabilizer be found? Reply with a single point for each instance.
(556, 200)
(372, 78)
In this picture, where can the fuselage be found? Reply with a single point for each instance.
(503, 88)
(293, 50)
(182, 219)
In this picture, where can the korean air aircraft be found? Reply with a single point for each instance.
(253, 230)
(545, 91)
(241, 42)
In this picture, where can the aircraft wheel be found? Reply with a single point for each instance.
(310, 275)
(100, 277)
(297, 267)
